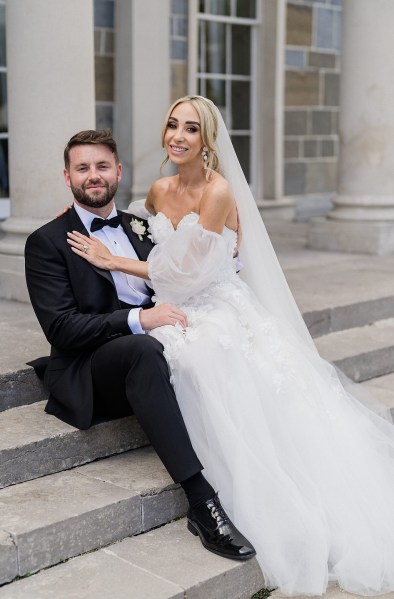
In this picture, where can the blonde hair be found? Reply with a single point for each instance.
(208, 126)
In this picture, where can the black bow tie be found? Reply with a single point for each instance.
(99, 223)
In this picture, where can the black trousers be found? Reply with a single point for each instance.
(130, 375)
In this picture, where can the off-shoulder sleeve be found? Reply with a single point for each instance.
(186, 263)
(137, 208)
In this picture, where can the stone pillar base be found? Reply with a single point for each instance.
(364, 237)
(12, 278)
(283, 209)
(12, 261)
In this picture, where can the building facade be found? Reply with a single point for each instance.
(215, 48)
(273, 67)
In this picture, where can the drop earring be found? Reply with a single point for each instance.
(205, 154)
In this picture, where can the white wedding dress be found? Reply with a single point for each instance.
(304, 470)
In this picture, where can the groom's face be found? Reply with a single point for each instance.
(93, 175)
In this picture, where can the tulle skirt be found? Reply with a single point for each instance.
(303, 469)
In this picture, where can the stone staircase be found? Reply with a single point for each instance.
(52, 508)
(94, 512)
(86, 509)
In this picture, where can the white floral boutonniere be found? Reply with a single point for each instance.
(138, 228)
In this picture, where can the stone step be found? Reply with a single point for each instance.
(339, 318)
(330, 327)
(20, 387)
(22, 340)
(382, 389)
(167, 563)
(363, 352)
(34, 444)
(53, 518)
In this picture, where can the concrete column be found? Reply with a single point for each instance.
(270, 83)
(142, 91)
(362, 219)
(50, 60)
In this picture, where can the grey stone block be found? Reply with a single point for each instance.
(365, 237)
(296, 122)
(311, 148)
(292, 148)
(357, 314)
(161, 499)
(335, 121)
(362, 313)
(318, 322)
(34, 443)
(294, 178)
(362, 352)
(382, 389)
(104, 78)
(159, 508)
(65, 514)
(19, 388)
(172, 553)
(299, 25)
(368, 365)
(329, 147)
(322, 59)
(302, 88)
(331, 89)
(8, 558)
(321, 122)
(98, 575)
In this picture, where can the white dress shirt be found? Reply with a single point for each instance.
(130, 289)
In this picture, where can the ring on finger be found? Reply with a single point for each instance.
(85, 249)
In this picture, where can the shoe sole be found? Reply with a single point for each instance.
(194, 530)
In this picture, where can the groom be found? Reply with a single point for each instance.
(102, 364)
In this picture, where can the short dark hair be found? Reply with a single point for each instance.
(90, 136)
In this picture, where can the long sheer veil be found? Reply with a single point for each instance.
(264, 275)
(261, 269)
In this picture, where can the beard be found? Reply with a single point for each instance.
(99, 198)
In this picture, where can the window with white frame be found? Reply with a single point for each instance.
(4, 189)
(222, 64)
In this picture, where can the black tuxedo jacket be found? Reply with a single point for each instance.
(78, 309)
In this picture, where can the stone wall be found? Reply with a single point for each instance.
(179, 50)
(104, 49)
(104, 56)
(312, 96)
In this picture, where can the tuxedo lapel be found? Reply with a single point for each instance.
(77, 225)
(143, 247)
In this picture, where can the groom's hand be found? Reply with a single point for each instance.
(161, 315)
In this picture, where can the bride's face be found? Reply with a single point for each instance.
(183, 135)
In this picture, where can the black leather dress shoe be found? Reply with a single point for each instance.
(216, 531)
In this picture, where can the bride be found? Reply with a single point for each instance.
(304, 469)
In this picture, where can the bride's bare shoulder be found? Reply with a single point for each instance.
(218, 187)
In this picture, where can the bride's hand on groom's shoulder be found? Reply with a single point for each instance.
(65, 209)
